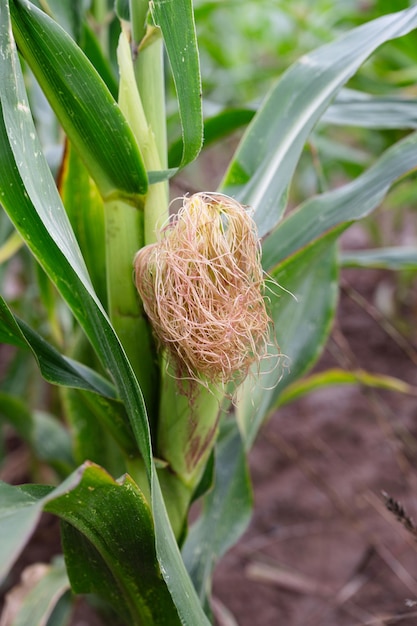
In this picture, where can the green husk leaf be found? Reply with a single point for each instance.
(226, 511)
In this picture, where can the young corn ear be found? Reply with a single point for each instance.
(202, 287)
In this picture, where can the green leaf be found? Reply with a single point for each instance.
(9, 248)
(19, 515)
(302, 313)
(88, 571)
(116, 520)
(46, 436)
(39, 603)
(51, 442)
(85, 210)
(215, 128)
(93, 50)
(335, 377)
(55, 367)
(350, 108)
(97, 423)
(10, 332)
(176, 21)
(341, 206)
(81, 101)
(226, 511)
(398, 259)
(20, 511)
(68, 13)
(16, 413)
(264, 163)
(355, 108)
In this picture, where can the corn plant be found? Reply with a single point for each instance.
(139, 426)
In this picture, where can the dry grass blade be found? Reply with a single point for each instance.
(222, 614)
(285, 578)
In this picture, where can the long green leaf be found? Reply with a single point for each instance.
(302, 318)
(28, 193)
(264, 163)
(47, 437)
(176, 21)
(116, 520)
(19, 514)
(81, 101)
(84, 208)
(37, 606)
(350, 108)
(335, 377)
(398, 259)
(354, 108)
(55, 367)
(341, 206)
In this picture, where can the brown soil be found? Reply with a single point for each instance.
(322, 548)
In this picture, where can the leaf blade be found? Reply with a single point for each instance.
(302, 315)
(82, 103)
(176, 21)
(122, 535)
(339, 207)
(266, 158)
(55, 367)
(335, 377)
(395, 258)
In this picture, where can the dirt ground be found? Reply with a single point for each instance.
(322, 548)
